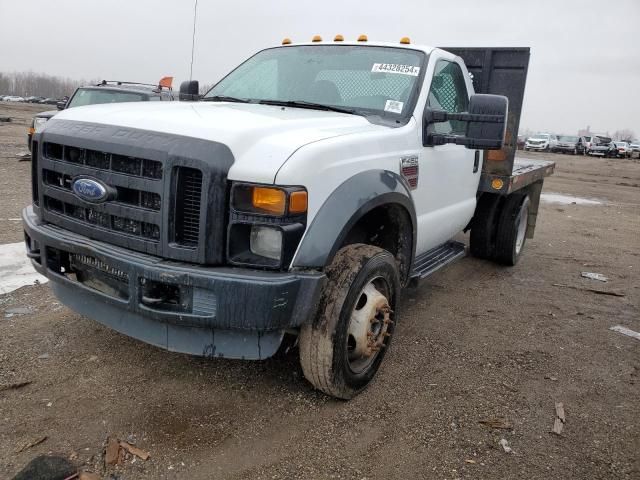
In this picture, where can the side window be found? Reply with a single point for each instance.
(448, 92)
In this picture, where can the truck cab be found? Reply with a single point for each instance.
(295, 199)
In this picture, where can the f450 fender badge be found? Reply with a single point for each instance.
(410, 170)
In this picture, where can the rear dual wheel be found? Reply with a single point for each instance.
(499, 228)
(342, 349)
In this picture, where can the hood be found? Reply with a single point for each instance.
(261, 137)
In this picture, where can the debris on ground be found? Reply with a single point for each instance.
(560, 419)
(505, 446)
(468, 460)
(594, 276)
(43, 356)
(116, 451)
(15, 385)
(23, 157)
(551, 377)
(135, 451)
(592, 290)
(46, 467)
(88, 476)
(625, 331)
(5, 119)
(111, 452)
(498, 423)
(509, 387)
(28, 445)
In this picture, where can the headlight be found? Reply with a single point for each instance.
(266, 224)
(266, 242)
(38, 123)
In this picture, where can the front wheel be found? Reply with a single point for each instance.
(341, 350)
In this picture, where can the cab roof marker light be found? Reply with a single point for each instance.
(362, 38)
(286, 41)
(316, 38)
(338, 38)
(405, 40)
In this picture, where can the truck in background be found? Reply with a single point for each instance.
(107, 91)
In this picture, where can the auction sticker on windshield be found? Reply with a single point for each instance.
(393, 106)
(395, 68)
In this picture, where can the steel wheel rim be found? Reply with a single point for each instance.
(522, 226)
(370, 326)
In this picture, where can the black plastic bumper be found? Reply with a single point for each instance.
(222, 312)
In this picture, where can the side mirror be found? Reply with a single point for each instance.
(486, 123)
(189, 90)
(61, 105)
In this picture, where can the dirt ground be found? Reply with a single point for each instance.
(475, 342)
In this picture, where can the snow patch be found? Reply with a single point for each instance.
(568, 199)
(15, 268)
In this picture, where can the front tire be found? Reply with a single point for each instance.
(342, 349)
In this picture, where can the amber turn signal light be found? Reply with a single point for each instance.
(298, 202)
(270, 200)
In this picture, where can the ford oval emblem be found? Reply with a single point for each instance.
(90, 190)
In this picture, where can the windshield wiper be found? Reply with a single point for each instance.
(310, 105)
(224, 98)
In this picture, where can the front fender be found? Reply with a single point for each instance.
(344, 207)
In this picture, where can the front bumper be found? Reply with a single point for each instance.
(221, 311)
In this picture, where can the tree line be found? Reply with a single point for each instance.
(26, 84)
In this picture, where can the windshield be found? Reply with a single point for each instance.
(621, 144)
(541, 136)
(91, 96)
(568, 139)
(601, 139)
(587, 139)
(368, 80)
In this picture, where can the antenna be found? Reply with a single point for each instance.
(193, 39)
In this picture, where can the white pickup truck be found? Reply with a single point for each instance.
(295, 199)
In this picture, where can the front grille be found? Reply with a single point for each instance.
(92, 217)
(128, 196)
(166, 193)
(187, 211)
(34, 173)
(140, 167)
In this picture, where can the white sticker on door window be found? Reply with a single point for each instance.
(396, 68)
(393, 106)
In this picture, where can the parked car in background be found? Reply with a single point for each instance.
(541, 141)
(623, 148)
(520, 142)
(105, 92)
(601, 145)
(635, 147)
(570, 144)
(13, 98)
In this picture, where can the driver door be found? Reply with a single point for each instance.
(449, 174)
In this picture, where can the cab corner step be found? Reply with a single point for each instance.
(436, 258)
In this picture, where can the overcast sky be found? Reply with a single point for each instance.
(585, 55)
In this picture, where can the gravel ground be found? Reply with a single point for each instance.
(475, 342)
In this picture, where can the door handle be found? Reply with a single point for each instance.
(476, 161)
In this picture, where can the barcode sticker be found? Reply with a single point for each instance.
(393, 106)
